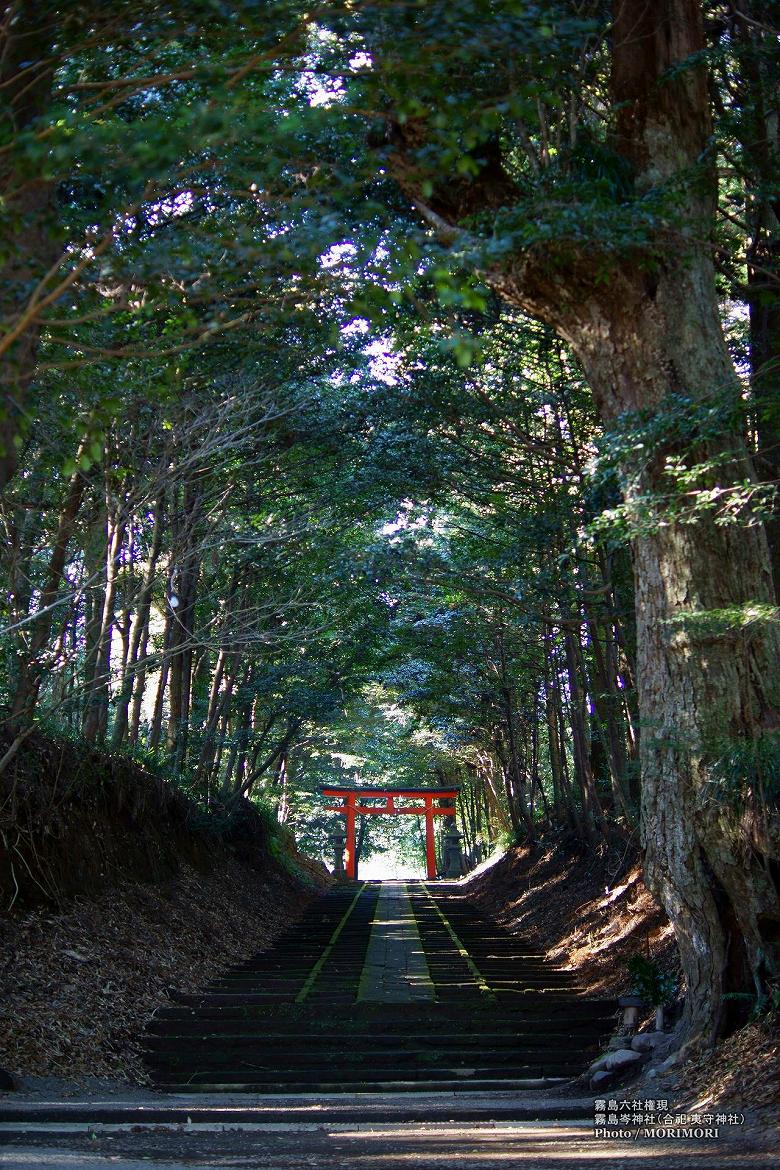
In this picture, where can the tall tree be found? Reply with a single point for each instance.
(603, 229)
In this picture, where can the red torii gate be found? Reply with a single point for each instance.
(350, 809)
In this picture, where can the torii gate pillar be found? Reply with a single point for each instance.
(350, 856)
(430, 840)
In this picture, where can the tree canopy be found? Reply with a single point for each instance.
(390, 392)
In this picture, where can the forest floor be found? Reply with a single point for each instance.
(119, 893)
(79, 983)
(591, 914)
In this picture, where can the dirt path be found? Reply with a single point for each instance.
(343, 1146)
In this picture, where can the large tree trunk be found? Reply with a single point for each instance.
(645, 326)
(708, 687)
(702, 683)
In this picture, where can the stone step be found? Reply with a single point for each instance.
(245, 1032)
(236, 1029)
(350, 1108)
(456, 1085)
(228, 1054)
(210, 1073)
(526, 1010)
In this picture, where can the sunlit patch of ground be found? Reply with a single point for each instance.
(591, 914)
(389, 867)
(588, 913)
(744, 1072)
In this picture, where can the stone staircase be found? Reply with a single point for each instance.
(499, 1016)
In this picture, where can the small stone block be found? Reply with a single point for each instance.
(601, 1079)
(647, 1041)
(627, 1001)
(623, 1058)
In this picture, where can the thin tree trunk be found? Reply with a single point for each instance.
(506, 777)
(493, 803)
(98, 685)
(281, 782)
(216, 706)
(282, 746)
(218, 702)
(135, 676)
(560, 803)
(607, 701)
(155, 730)
(559, 732)
(184, 584)
(32, 667)
(592, 812)
(515, 769)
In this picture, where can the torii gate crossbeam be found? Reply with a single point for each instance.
(351, 808)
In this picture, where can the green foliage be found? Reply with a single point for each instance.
(404, 498)
(656, 987)
(745, 768)
(670, 464)
(703, 625)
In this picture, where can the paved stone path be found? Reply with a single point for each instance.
(395, 969)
